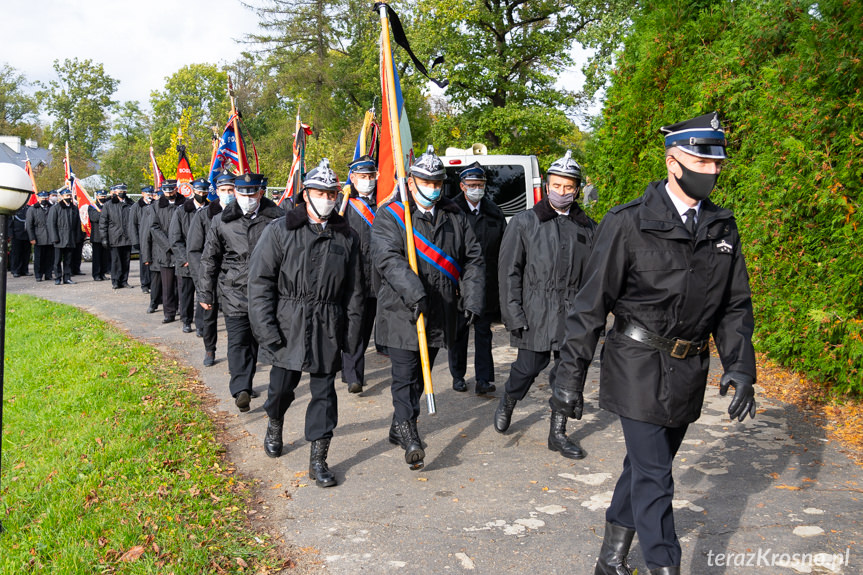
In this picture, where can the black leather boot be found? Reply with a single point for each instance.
(673, 570)
(414, 453)
(503, 414)
(557, 440)
(395, 438)
(615, 547)
(318, 469)
(273, 438)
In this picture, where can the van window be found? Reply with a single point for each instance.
(505, 186)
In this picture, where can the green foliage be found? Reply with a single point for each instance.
(786, 76)
(17, 109)
(321, 57)
(79, 101)
(195, 100)
(125, 160)
(106, 451)
(503, 59)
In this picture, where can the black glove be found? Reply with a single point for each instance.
(570, 403)
(743, 401)
(518, 332)
(420, 307)
(274, 347)
(470, 317)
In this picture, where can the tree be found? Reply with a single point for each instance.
(785, 75)
(126, 159)
(503, 58)
(17, 109)
(79, 101)
(322, 56)
(197, 94)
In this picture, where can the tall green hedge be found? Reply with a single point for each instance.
(786, 76)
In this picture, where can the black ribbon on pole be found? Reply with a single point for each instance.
(402, 40)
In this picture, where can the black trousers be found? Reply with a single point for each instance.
(19, 259)
(186, 288)
(407, 381)
(101, 260)
(210, 321)
(354, 364)
(120, 257)
(523, 371)
(242, 353)
(322, 413)
(145, 274)
(170, 297)
(483, 361)
(63, 263)
(643, 494)
(43, 262)
(155, 287)
(77, 256)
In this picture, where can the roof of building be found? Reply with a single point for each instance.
(14, 151)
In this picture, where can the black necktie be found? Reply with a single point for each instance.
(690, 221)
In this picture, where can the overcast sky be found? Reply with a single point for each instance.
(140, 43)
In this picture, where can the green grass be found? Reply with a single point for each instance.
(107, 452)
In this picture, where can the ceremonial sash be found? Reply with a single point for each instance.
(363, 210)
(426, 249)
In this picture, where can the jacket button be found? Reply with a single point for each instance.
(692, 270)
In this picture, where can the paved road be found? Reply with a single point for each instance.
(750, 495)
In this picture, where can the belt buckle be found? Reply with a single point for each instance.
(678, 345)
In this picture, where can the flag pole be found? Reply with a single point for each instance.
(399, 158)
(236, 127)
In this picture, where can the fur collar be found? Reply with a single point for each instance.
(214, 208)
(164, 202)
(268, 209)
(297, 218)
(545, 213)
(190, 206)
(142, 203)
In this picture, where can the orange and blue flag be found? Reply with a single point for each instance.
(386, 156)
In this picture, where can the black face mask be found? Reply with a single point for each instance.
(45, 202)
(67, 201)
(122, 195)
(694, 184)
(201, 199)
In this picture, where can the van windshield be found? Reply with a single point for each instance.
(505, 186)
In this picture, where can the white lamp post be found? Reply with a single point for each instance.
(15, 190)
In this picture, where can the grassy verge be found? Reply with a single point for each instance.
(109, 463)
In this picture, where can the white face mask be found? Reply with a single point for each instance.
(226, 199)
(247, 203)
(322, 207)
(365, 187)
(475, 194)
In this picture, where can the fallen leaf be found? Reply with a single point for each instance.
(276, 486)
(242, 563)
(133, 370)
(788, 487)
(132, 554)
(19, 466)
(422, 478)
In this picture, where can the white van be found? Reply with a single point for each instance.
(512, 182)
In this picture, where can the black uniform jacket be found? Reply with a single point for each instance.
(197, 236)
(542, 260)
(225, 259)
(488, 226)
(179, 231)
(647, 270)
(64, 225)
(37, 224)
(114, 222)
(401, 288)
(135, 221)
(145, 239)
(18, 225)
(306, 293)
(95, 217)
(364, 231)
(160, 227)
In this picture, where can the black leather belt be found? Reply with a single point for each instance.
(676, 348)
